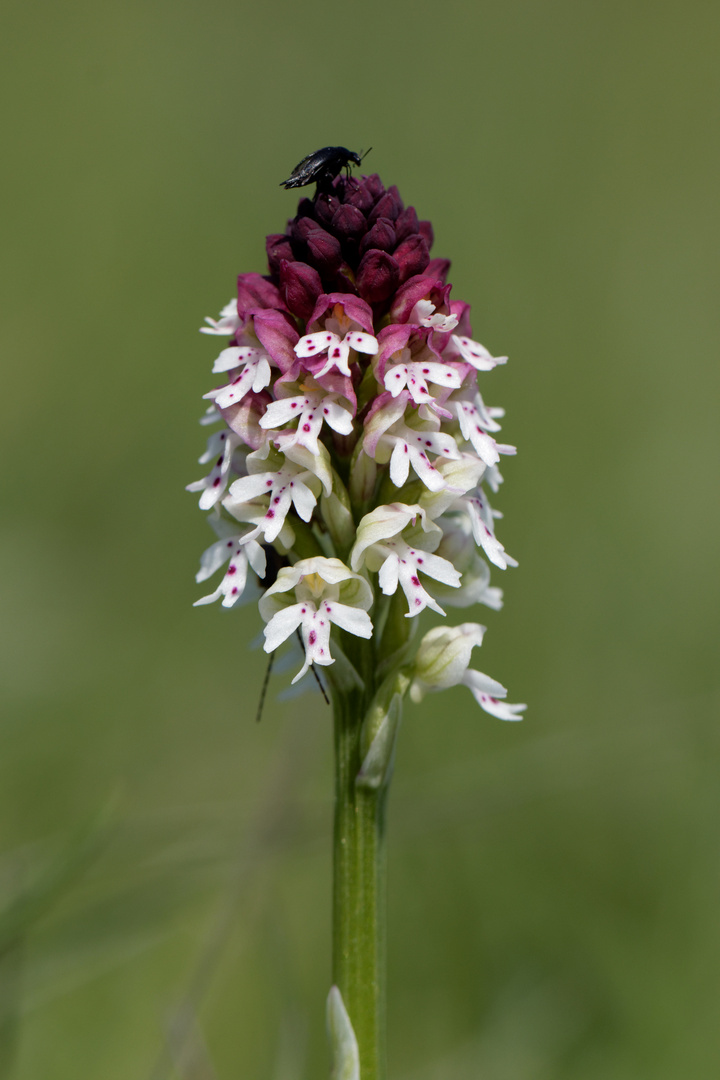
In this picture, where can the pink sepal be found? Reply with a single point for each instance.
(384, 412)
(244, 418)
(416, 288)
(278, 335)
(355, 308)
(462, 310)
(255, 291)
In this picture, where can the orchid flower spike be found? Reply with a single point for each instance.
(347, 470)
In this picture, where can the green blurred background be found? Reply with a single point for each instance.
(554, 887)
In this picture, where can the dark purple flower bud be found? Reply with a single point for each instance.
(348, 222)
(377, 276)
(306, 208)
(300, 227)
(358, 193)
(406, 224)
(426, 230)
(324, 250)
(438, 268)
(374, 186)
(326, 206)
(389, 206)
(412, 256)
(382, 236)
(343, 280)
(255, 291)
(278, 247)
(300, 284)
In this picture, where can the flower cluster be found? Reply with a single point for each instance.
(346, 477)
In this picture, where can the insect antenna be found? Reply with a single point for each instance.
(263, 692)
(364, 155)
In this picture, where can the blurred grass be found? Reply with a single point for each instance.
(554, 885)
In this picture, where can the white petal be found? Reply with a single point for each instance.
(314, 344)
(263, 375)
(440, 374)
(303, 499)
(337, 418)
(388, 576)
(400, 463)
(282, 625)
(233, 357)
(213, 558)
(436, 567)
(365, 343)
(349, 618)
(338, 355)
(279, 412)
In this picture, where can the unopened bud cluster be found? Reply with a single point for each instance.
(346, 474)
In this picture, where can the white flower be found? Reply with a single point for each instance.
(442, 661)
(326, 592)
(481, 516)
(255, 374)
(458, 547)
(475, 422)
(338, 349)
(285, 488)
(221, 446)
(416, 374)
(228, 323)
(311, 410)
(404, 446)
(381, 548)
(472, 352)
(241, 550)
(422, 315)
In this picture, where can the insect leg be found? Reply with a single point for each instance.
(314, 670)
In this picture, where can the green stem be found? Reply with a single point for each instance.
(359, 945)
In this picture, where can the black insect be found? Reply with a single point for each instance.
(322, 167)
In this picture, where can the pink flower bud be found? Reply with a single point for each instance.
(412, 256)
(301, 285)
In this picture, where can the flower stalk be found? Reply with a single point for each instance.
(359, 864)
(347, 492)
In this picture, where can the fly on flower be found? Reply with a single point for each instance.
(322, 166)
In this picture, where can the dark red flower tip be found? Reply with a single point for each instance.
(377, 276)
(357, 237)
(300, 285)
